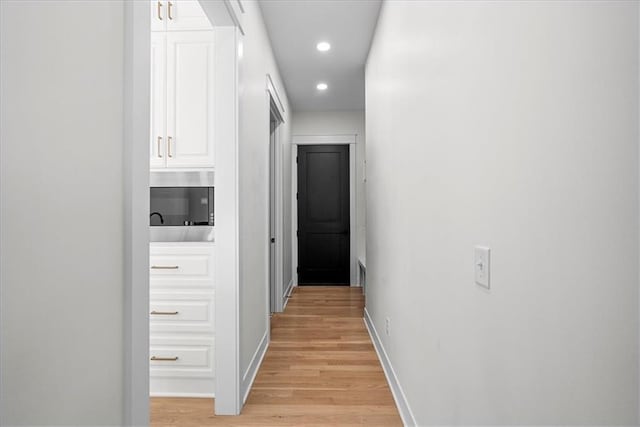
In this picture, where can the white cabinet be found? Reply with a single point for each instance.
(182, 100)
(158, 130)
(178, 15)
(181, 320)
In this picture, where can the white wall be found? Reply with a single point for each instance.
(61, 196)
(340, 123)
(512, 125)
(255, 62)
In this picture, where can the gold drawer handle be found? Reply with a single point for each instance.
(166, 313)
(164, 359)
(165, 267)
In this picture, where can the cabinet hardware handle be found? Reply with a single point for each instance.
(170, 4)
(169, 146)
(165, 359)
(166, 313)
(159, 147)
(165, 267)
(160, 11)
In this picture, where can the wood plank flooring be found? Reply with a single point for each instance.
(320, 369)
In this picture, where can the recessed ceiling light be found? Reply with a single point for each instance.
(323, 46)
(322, 86)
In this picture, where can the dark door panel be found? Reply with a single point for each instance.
(323, 214)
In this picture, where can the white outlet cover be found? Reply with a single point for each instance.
(482, 266)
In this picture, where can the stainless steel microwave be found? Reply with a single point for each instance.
(181, 206)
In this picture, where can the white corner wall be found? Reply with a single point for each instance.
(512, 125)
(255, 62)
(341, 123)
(61, 213)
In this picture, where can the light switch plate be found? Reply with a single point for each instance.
(482, 266)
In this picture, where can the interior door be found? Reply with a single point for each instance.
(323, 215)
(190, 62)
(157, 143)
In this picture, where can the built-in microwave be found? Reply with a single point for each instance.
(181, 206)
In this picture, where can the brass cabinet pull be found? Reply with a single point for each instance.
(160, 147)
(160, 11)
(165, 267)
(165, 313)
(169, 146)
(165, 359)
(170, 4)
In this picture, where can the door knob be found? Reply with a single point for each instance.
(273, 240)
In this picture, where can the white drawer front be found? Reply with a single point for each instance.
(181, 315)
(181, 267)
(173, 265)
(181, 360)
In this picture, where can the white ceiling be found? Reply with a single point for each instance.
(296, 26)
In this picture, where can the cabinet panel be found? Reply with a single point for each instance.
(178, 15)
(187, 15)
(158, 14)
(190, 102)
(158, 100)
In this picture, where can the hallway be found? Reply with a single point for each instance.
(320, 369)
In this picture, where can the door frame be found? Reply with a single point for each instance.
(275, 107)
(136, 112)
(350, 140)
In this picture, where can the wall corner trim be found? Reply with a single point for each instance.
(252, 371)
(396, 389)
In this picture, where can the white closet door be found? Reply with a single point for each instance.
(158, 140)
(186, 15)
(190, 101)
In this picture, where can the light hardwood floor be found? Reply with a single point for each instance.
(320, 369)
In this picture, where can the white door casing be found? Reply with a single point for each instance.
(350, 140)
(137, 79)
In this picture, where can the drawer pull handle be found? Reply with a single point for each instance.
(164, 359)
(165, 267)
(166, 313)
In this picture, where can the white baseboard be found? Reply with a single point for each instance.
(396, 389)
(198, 395)
(287, 294)
(250, 375)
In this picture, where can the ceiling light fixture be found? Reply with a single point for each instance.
(322, 86)
(323, 46)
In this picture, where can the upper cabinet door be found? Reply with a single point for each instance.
(178, 15)
(158, 140)
(185, 15)
(190, 101)
(158, 15)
